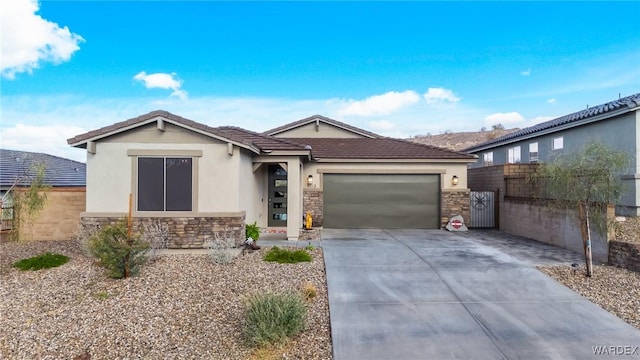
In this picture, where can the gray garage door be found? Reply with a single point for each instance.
(364, 201)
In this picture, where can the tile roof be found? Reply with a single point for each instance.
(375, 147)
(380, 148)
(60, 172)
(324, 119)
(624, 104)
(107, 130)
(263, 142)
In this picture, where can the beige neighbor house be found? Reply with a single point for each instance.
(199, 179)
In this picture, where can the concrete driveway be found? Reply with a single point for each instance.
(431, 294)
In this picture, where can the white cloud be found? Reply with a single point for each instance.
(440, 95)
(162, 81)
(551, 101)
(526, 72)
(383, 125)
(504, 118)
(44, 123)
(28, 39)
(49, 139)
(540, 119)
(383, 104)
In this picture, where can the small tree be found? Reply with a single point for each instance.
(27, 204)
(586, 181)
(121, 255)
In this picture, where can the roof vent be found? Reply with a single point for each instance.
(17, 159)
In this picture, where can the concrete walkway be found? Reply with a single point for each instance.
(431, 294)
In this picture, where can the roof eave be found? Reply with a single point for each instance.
(242, 144)
(551, 130)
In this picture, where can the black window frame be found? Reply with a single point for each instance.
(168, 188)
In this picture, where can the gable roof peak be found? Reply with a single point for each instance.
(324, 119)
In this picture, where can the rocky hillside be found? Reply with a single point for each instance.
(460, 140)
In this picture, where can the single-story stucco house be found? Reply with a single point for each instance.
(199, 179)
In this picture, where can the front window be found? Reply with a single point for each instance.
(514, 155)
(165, 184)
(533, 152)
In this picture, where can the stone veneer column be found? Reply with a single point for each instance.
(312, 201)
(454, 202)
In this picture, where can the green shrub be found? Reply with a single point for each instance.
(285, 256)
(42, 261)
(272, 318)
(123, 257)
(252, 231)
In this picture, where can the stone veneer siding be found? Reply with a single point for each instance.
(184, 232)
(312, 201)
(624, 254)
(454, 203)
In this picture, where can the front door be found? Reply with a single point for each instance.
(277, 196)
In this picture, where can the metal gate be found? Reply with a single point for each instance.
(483, 209)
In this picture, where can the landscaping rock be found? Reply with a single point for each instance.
(179, 307)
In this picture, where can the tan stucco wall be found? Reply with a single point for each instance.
(324, 130)
(60, 217)
(447, 170)
(252, 191)
(111, 176)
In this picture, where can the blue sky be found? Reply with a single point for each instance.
(398, 69)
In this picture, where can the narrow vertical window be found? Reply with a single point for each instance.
(533, 152)
(487, 158)
(513, 156)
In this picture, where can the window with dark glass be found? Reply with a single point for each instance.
(164, 184)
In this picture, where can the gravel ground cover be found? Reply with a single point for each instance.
(179, 307)
(615, 289)
(628, 230)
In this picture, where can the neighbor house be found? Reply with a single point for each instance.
(616, 124)
(65, 198)
(198, 179)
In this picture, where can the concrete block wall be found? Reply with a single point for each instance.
(60, 217)
(488, 178)
(548, 225)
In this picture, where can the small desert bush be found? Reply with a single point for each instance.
(285, 256)
(222, 249)
(273, 318)
(42, 261)
(309, 291)
(120, 255)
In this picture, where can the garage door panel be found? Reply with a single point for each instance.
(381, 201)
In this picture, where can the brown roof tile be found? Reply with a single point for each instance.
(262, 141)
(381, 148)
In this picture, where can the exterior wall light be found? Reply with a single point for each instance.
(454, 180)
(310, 180)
